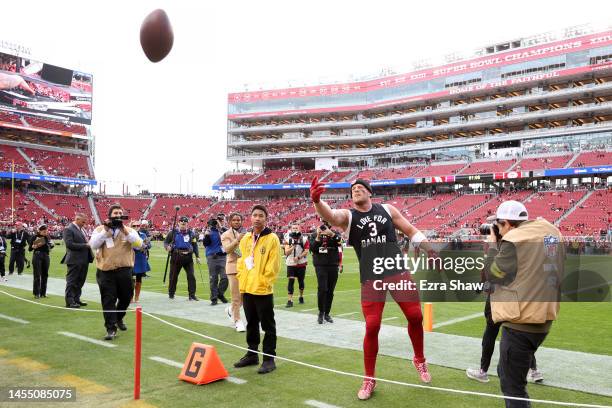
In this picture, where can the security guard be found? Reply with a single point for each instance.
(182, 243)
(19, 240)
(526, 268)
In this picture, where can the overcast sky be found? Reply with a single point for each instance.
(154, 123)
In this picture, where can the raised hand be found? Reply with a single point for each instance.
(316, 190)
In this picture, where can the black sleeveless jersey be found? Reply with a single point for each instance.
(372, 235)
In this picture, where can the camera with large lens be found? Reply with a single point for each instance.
(115, 222)
(485, 229)
(323, 227)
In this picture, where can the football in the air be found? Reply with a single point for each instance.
(156, 36)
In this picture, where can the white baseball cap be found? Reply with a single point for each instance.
(512, 210)
(144, 222)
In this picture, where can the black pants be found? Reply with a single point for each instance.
(216, 275)
(516, 351)
(260, 309)
(488, 340)
(293, 273)
(2, 259)
(17, 257)
(116, 292)
(75, 279)
(40, 264)
(178, 261)
(327, 276)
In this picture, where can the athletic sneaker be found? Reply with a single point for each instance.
(422, 370)
(289, 303)
(477, 374)
(535, 376)
(301, 300)
(240, 326)
(366, 390)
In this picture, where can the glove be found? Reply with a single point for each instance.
(316, 189)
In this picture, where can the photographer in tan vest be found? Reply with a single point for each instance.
(114, 243)
(525, 266)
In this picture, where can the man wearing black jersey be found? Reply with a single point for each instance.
(371, 232)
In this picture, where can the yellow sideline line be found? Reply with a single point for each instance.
(3, 352)
(82, 385)
(28, 364)
(137, 404)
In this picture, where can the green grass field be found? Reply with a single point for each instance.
(104, 376)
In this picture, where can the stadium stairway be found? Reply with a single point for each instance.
(94, 211)
(576, 205)
(569, 163)
(325, 175)
(432, 209)
(41, 205)
(459, 218)
(146, 212)
(33, 168)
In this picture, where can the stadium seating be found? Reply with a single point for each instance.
(237, 178)
(8, 154)
(272, 176)
(539, 163)
(591, 216)
(552, 205)
(596, 158)
(132, 207)
(25, 210)
(10, 118)
(162, 213)
(446, 211)
(56, 125)
(305, 176)
(481, 167)
(59, 164)
(441, 170)
(337, 175)
(64, 205)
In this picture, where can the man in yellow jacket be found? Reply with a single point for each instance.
(257, 270)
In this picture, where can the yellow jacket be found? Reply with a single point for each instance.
(267, 261)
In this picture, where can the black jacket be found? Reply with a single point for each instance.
(326, 251)
(21, 236)
(77, 249)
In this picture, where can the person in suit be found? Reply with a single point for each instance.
(77, 259)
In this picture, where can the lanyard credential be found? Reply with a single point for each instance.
(250, 261)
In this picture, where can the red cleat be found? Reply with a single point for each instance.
(366, 390)
(422, 370)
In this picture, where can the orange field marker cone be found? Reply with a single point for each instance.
(202, 365)
(428, 317)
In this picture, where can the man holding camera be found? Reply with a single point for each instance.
(182, 244)
(296, 252)
(216, 259)
(3, 247)
(19, 240)
(231, 240)
(325, 248)
(114, 243)
(525, 263)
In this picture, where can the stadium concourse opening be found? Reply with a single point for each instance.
(529, 120)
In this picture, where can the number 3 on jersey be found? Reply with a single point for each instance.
(374, 231)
